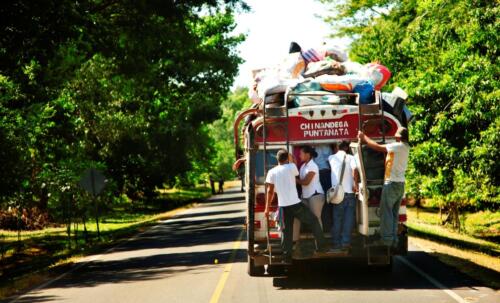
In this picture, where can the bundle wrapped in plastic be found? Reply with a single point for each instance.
(314, 98)
(356, 68)
(313, 55)
(292, 67)
(365, 90)
(320, 54)
(325, 67)
(334, 83)
(379, 74)
(308, 85)
(336, 54)
(271, 83)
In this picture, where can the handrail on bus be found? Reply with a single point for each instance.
(236, 126)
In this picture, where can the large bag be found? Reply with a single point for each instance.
(335, 195)
(336, 54)
(314, 98)
(379, 74)
(365, 91)
(325, 67)
(292, 67)
(345, 83)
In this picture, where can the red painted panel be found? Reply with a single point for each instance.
(302, 129)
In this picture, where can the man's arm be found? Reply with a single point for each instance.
(355, 174)
(307, 179)
(240, 161)
(269, 198)
(372, 144)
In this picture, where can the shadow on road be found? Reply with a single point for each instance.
(35, 299)
(140, 259)
(186, 233)
(229, 198)
(357, 276)
(143, 268)
(208, 213)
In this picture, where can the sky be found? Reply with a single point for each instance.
(271, 25)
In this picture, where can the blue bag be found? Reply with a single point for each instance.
(365, 90)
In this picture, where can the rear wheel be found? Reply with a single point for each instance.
(254, 270)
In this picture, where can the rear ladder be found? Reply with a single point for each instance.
(370, 115)
(273, 116)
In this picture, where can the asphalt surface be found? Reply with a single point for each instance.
(196, 257)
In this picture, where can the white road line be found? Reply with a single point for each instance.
(435, 282)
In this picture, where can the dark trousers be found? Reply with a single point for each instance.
(305, 216)
(325, 178)
(344, 220)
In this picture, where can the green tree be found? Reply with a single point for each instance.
(445, 54)
(221, 133)
(128, 86)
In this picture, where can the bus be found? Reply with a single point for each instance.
(264, 128)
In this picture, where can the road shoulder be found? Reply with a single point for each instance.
(477, 265)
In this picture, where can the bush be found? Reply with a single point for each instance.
(30, 219)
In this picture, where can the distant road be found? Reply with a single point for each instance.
(175, 261)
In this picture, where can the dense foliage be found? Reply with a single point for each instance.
(445, 55)
(221, 132)
(125, 86)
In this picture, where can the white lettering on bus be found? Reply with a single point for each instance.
(325, 129)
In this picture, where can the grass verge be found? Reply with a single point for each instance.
(475, 256)
(426, 225)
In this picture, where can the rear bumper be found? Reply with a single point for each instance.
(305, 249)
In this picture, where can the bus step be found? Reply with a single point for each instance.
(276, 248)
(276, 259)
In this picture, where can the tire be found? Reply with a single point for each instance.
(254, 270)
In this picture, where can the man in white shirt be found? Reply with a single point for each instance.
(281, 179)
(313, 195)
(344, 212)
(394, 183)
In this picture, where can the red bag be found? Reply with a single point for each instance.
(379, 74)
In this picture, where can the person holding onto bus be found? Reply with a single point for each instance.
(344, 213)
(396, 163)
(281, 179)
(313, 195)
(323, 152)
(312, 191)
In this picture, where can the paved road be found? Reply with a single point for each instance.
(175, 262)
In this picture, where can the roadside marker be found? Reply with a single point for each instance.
(227, 269)
(436, 283)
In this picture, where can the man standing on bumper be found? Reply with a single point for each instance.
(344, 213)
(394, 182)
(281, 179)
